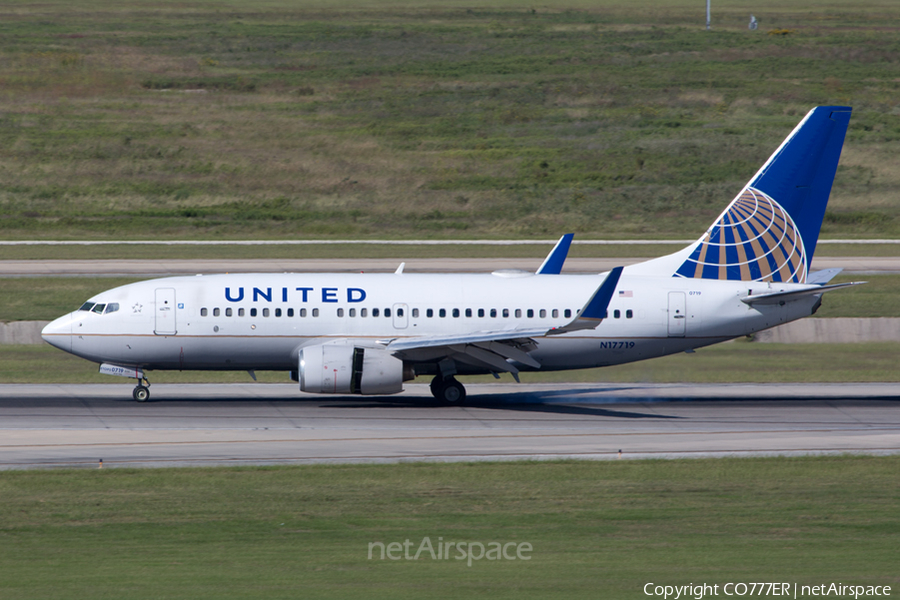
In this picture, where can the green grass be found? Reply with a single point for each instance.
(418, 119)
(739, 361)
(598, 529)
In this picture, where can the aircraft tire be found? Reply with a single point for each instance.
(141, 393)
(450, 391)
(435, 386)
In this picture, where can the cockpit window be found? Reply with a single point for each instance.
(111, 307)
(87, 306)
(98, 308)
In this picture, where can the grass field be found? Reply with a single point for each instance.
(287, 119)
(597, 529)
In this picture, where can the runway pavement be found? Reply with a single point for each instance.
(45, 426)
(48, 268)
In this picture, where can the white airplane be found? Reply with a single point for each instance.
(368, 333)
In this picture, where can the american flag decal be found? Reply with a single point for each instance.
(626, 294)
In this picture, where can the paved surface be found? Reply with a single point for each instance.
(25, 268)
(77, 425)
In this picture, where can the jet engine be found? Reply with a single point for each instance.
(349, 369)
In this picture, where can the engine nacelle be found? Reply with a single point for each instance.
(347, 369)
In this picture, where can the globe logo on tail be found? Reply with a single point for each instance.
(754, 240)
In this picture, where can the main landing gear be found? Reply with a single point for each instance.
(448, 390)
(141, 392)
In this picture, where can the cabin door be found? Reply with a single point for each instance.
(677, 314)
(165, 312)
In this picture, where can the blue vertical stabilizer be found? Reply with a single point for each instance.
(770, 231)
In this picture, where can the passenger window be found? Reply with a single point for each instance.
(518, 313)
(363, 312)
(87, 306)
(240, 312)
(315, 312)
(203, 312)
(252, 312)
(415, 313)
(98, 308)
(543, 313)
(568, 313)
(493, 313)
(629, 314)
(290, 312)
(387, 312)
(216, 312)
(555, 313)
(442, 313)
(505, 313)
(468, 312)
(265, 312)
(530, 313)
(399, 312)
(277, 312)
(352, 312)
(455, 313)
(303, 312)
(617, 314)
(340, 312)
(112, 307)
(374, 312)
(429, 313)
(481, 313)
(228, 312)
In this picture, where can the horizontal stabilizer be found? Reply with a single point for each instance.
(783, 297)
(824, 276)
(553, 264)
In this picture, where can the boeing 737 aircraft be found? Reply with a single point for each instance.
(368, 333)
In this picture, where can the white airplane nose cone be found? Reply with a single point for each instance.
(59, 333)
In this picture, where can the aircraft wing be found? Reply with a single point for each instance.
(491, 349)
(782, 297)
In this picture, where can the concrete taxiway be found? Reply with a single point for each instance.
(45, 426)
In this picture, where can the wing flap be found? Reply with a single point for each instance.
(415, 343)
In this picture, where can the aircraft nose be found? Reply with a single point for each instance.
(59, 333)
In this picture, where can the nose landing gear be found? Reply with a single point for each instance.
(141, 392)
